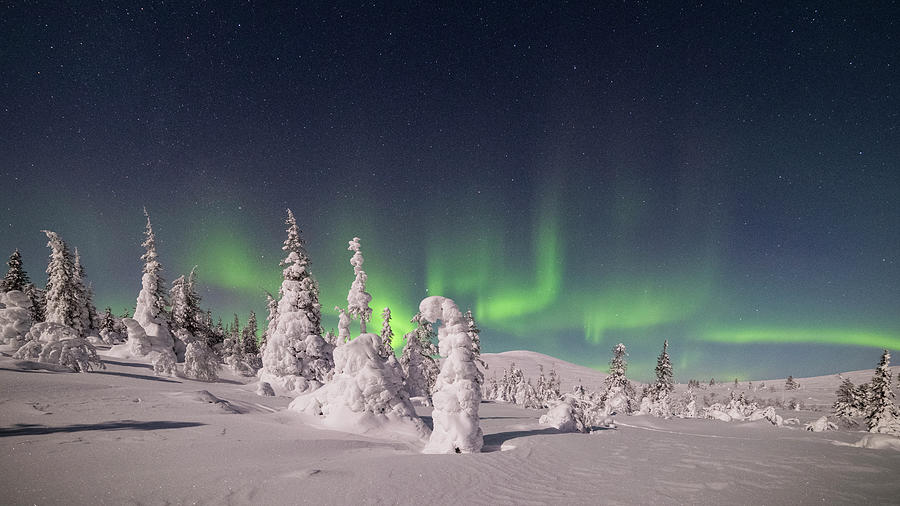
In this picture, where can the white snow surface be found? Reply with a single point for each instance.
(365, 396)
(125, 436)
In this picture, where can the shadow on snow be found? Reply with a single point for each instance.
(26, 429)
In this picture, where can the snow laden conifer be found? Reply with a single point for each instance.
(457, 392)
(665, 385)
(343, 326)
(358, 298)
(200, 362)
(882, 416)
(473, 331)
(387, 334)
(61, 305)
(248, 336)
(271, 321)
(296, 357)
(618, 397)
(150, 310)
(84, 299)
(16, 278)
(417, 359)
(851, 400)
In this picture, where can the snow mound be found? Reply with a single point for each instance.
(15, 316)
(203, 396)
(878, 442)
(54, 343)
(365, 395)
(563, 417)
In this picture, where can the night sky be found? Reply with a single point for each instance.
(722, 176)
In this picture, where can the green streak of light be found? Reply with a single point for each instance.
(848, 337)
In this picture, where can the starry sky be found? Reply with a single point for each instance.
(722, 175)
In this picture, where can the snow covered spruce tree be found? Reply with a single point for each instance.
(63, 304)
(882, 416)
(457, 392)
(248, 336)
(664, 386)
(296, 357)
(358, 298)
(387, 334)
(150, 312)
(851, 401)
(271, 321)
(618, 397)
(185, 310)
(474, 331)
(84, 299)
(791, 384)
(419, 367)
(16, 278)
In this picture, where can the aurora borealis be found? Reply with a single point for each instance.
(720, 176)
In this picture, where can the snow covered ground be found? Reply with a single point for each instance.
(124, 436)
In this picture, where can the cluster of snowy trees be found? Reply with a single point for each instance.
(873, 401)
(514, 387)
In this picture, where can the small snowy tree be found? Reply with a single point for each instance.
(664, 386)
(343, 326)
(248, 337)
(38, 302)
(200, 362)
(358, 299)
(16, 278)
(271, 320)
(790, 384)
(851, 400)
(457, 392)
(619, 395)
(882, 416)
(387, 334)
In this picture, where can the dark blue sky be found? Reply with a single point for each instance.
(725, 176)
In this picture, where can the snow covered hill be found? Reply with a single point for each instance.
(124, 436)
(530, 361)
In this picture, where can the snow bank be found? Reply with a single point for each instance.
(457, 392)
(878, 442)
(54, 343)
(365, 396)
(821, 425)
(15, 316)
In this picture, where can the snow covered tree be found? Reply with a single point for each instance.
(358, 299)
(271, 323)
(419, 367)
(851, 400)
(16, 278)
(457, 392)
(387, 334)
(882, 416)
(664, 386)
(200, 362)
(474, 331)
(86, 324)
(296, 357)
(790, 384)
(619, 392)
(38, 302)
(248, 338)
(62, 306)
(153, 303)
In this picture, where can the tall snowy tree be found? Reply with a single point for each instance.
(271, 320)
(62, 305)
(16, 278)
(665, 384)
(248, 337)
(152, 299)
(84, 298)
(457, 392)
(38, 302)
(420, 370)
(882, 416)
(473, 331)
(387, 334)
(185, 310)
(295, 354)
(358, 298)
